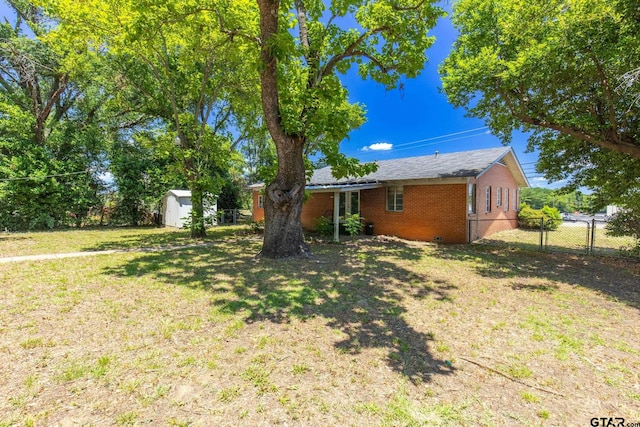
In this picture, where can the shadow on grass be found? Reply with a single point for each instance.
(358, 288)
(617, 278)
(162, 238)
(11, 237)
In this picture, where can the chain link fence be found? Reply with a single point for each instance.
(233, 216)
(587, 237)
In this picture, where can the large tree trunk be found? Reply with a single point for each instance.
(283, 205)
(197, 206)
(198, 229)
(284, 197)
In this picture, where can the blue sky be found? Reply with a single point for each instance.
(418, 120)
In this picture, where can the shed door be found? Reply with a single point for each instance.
(171, 211)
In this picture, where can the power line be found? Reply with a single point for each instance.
(440, 142)
(28, 178)
(443, 136)
(374, 152)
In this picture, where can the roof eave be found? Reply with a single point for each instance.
(519, 176)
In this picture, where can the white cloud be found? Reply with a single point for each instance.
(378, 146)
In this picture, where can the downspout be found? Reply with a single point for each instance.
(336, 216)
(466, 207)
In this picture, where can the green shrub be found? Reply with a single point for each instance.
(353, 225)
(43, 221)
(324, 226)
(257, 227)
(552, 218)
(530, 218)
(626, 223)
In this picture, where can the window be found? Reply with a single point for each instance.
(515, 199)
(506, 199)
(471, 199)
(499, 196)
(349, 203)
(395, 199)
(488, 200)
(260, 201)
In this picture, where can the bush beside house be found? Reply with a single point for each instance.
(530, 218)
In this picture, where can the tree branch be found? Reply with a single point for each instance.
(221, 119)
(350, 51)
(232, 33)
(59, 86)
(269, 14)
(9, 91)
(619, 145)
(302, 23)
(608, 95)
(404, 9)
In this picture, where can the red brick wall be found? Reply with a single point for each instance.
(429, 212)
(258, 213)
(316, 206)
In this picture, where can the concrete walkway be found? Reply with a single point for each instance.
(4, 260)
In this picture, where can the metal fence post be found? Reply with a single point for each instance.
(546, 239)
(541, 232)
(593, 235)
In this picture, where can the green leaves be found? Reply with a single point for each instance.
(182, 67)
(386, 39)
(554, 68)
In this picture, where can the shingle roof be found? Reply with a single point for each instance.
(180, 193)
(448, 165)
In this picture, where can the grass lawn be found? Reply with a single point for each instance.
(99, 239)
(379, 332)
(570, 236)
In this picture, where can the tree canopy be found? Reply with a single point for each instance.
(50, 142)
(574, 201)
(175, 65)
(304, 48)
(563, 70)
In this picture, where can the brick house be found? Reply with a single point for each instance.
(450, 198)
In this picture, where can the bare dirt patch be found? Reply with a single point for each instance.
(376, 332)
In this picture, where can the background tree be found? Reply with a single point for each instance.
(51, 145)
(177, 67)
(627, 223)
(563, 71)
(536, 198)
(304, 46)
(142, 175)
(260, 158)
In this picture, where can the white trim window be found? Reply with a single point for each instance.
(499, 196)
(506, 200)
(471, 199)
(395, 198)
(260, 201)
(488, 200)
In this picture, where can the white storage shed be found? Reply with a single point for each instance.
(176, 208)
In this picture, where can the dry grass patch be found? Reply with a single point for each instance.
(376, 332)
(100, 239)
